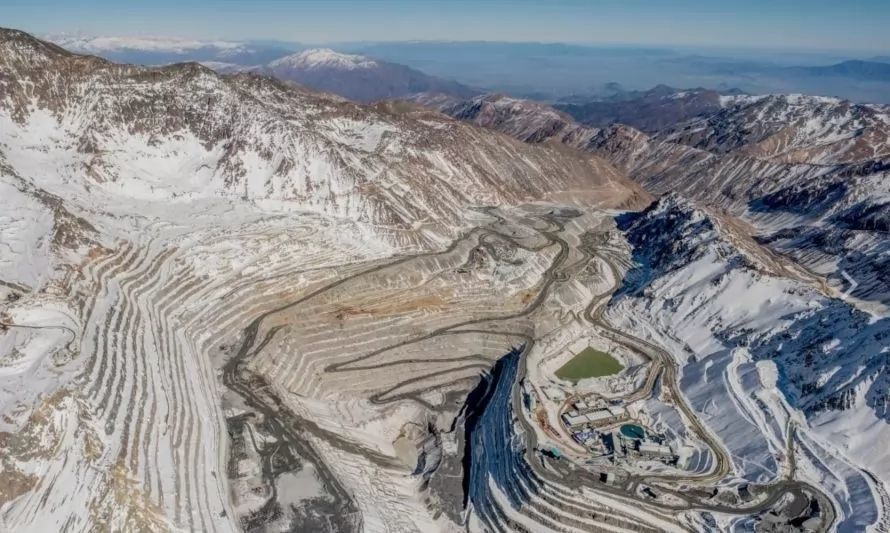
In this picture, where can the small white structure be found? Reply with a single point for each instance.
(617, 411)
(656, 451)
(574, 421)
(599, 417)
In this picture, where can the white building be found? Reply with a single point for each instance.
(575, 420)
(653, 450)
(618, 411)
(599, 417)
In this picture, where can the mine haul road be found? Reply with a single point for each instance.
(288, 427)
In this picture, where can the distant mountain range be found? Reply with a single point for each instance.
(648, 111)
(160, 51)
(550, 71)
(351, 76)
(853, 69)
(539, 71)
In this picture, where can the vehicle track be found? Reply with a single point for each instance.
(285, 425)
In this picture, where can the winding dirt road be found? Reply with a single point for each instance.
(287, 427)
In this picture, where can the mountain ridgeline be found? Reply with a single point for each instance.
(822, 162)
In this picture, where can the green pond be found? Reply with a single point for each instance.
(633, 431)
(590, 363)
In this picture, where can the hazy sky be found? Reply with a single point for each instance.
(815, 24)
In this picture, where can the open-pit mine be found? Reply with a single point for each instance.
(229, 303)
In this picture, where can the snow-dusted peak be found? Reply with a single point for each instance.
(324, 58)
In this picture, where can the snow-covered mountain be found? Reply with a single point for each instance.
(691, 265)
(183, 132)
(358, 77)
(534, 122)
(102, 44)
(148, 50)
(743, 328)
(809, 174)
(323, 58)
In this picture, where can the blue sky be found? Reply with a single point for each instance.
(812, 24)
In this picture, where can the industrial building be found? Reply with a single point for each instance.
(598, 417)
(652, 450)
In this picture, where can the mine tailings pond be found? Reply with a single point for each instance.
(590, 363)
(633, 431)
